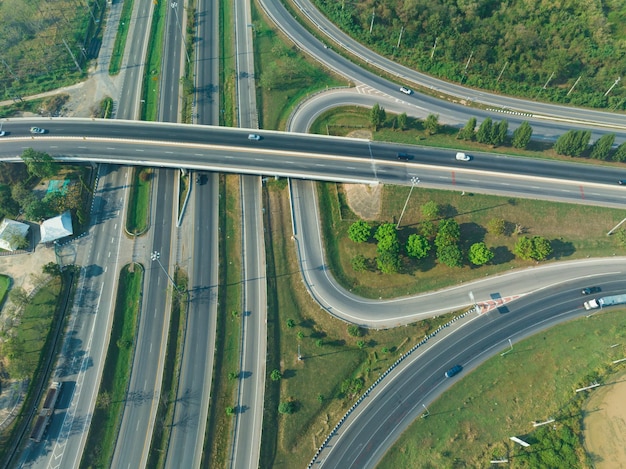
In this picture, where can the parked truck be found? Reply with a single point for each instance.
(605, 301)
(43, 419)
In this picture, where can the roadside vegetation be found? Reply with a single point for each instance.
(566, 53)
(117, 55)
(472, 421)
(226, 373)
(164, 420)
(187, 80)
(112, 396)
(27, 344)
(46, 45)
(286, 76)
(138, 214)
(5, 284)
(305, 398)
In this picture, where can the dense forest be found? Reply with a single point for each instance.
(531, 48)
(45, 43)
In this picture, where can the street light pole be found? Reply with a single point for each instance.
(174, 6)
(155, 256)
(414, 181)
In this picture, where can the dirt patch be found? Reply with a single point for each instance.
(361, 133)
(605, 425)
(364, 200)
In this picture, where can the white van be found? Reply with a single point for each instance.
(462, 156)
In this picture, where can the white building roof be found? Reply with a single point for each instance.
(10, 230)
(56, 228)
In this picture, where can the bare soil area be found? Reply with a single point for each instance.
(605, 425)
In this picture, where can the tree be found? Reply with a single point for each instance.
(276, 375)
(354, 330)
(230, 410)
(387, 237)
(620, 153)
(402, 121)
(479, 254)
(572, 142)
(359, 263)
(467, 132)
(360, 344)
(417, 246)
(319, 343)
(601, 149)
(8, 206)
(291, 323)
(360, 231)
(499, 133)
(18, 296)
(300, 335)
(233, 375)
(483, 135)
(536, 248)
(496, 226)
(522, 135)
(427, 229)
(450, 255)
(431, 124)
(377, 116)
(449, 233)
(39, 164)
(287, 407)
(320, 398)
(430, 210)
(388, 262)
(620, 235)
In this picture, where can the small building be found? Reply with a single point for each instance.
(12, 234)
(56, 228)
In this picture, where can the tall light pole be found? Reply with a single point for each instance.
(174, 6)
(414, 181)
(155, 256)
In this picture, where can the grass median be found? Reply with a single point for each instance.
(217, 443)
(117, 55)
(107, 416)
(152, 77)
(138, 214)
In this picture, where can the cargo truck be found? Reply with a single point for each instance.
(605, 301)
(43, 419)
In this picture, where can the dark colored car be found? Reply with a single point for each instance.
(404, 156)
(456, 369)
(590, 290)
(622, 182)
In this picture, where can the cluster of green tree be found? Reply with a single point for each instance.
(45, 43)
(445, 236)
(18, 197)
(538, 50)
(489, 132)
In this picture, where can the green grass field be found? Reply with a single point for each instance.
(471, 423)
(116, 372)
(5, 283)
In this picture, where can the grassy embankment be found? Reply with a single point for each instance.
(108, 412)
(27, 346)
(171, 372)
(138, 215)
(117, 55)
(285, 75)
(5, 283)
(471, 423)
(218, 442)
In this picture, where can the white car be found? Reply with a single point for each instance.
(37, 130)
(2, 133)
(406, 90)
(460, 156)
(254, 137)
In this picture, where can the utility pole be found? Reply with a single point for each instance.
(9, 69)
(174, 6)
(502, 71)
(155, 256)
(509, 350)
(400, 38)
(427, 413)
(73, 58)
(372, 23)
(414, 180)
(571, 89)
(432, 53)
(546, 84)
(613, 85)
(468, 62)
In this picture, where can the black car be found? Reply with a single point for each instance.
(404, 156)
(590, 290)
(201, 179)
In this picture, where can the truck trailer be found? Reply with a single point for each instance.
(43, 419)
(605, 301)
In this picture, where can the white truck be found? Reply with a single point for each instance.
(605, 301)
